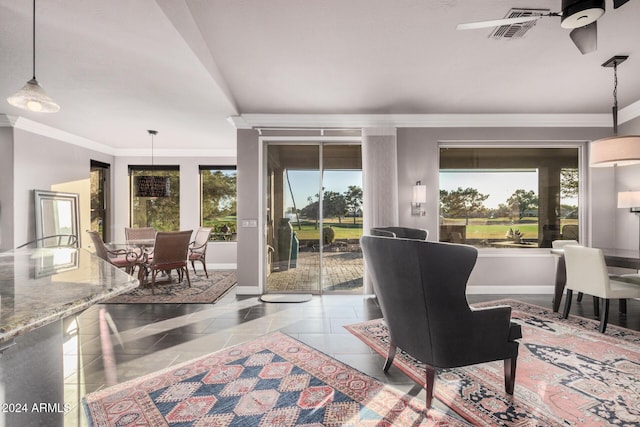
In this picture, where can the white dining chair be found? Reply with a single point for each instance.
(587, 273)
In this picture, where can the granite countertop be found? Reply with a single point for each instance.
(40, 286)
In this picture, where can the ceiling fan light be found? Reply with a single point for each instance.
(579, 13)
(32, 97)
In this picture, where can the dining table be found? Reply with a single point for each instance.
(623, 258)
(141, 249)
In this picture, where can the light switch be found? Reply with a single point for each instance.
(249, 223)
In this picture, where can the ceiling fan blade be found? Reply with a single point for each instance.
(497, 22)
(618, 3)
(586, 38)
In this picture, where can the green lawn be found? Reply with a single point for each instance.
(345, 230)
(497, 228)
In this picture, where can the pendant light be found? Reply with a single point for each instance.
(149, 185)
(616, 150)
(32, 96)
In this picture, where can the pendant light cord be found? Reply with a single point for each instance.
(34, 39)
(614, 109)
(152, 133)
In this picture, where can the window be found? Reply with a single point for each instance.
(218, 201)
(509, 197)
(99, 180)
(155, 197)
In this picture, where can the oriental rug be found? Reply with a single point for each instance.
(271, 381)
(202, 290)
(568, 373)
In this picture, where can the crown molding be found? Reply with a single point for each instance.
(425, 120)
(140, 152)
(60, 135)
(629, 112)
(7, 121)
(31, 126)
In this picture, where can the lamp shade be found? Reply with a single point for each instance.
(151, 186)
(629, 199)
(617, 150)
(33, 98)
(419, 194)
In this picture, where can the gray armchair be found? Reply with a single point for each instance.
(421, 290)
(401, 232)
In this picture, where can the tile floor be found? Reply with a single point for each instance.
(156, 336)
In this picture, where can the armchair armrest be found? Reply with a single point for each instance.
(194, 248)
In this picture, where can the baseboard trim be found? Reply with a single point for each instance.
(248, 290)
(222, 266)
(510, 290)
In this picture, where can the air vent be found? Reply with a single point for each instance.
(517, 31)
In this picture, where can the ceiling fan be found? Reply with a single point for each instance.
(580, 16)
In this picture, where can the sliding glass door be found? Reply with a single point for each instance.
(313, 217)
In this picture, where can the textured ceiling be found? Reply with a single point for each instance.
(120, 67)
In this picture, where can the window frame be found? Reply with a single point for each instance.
(153, 168)
(583, 177)
(208, 167)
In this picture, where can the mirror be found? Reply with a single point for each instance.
(54, 261)
(56, 215)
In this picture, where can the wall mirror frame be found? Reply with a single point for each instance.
(56, 214)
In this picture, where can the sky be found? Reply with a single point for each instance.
(498, 185)
(306, 183)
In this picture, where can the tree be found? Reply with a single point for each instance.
(311, 210)
(522, 201)
(353, 200)
(569, 182)
(333, 205)
(218, 194)
(462, 202)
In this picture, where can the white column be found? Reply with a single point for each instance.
(380, 182)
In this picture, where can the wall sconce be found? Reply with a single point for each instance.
(419, 197)
(629, 199)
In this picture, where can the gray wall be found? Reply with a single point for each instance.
(44, 163)
(496, 272)
(249, 195)
(33, 162)
(627, 178)
(220, 255)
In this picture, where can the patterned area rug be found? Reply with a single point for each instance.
(568, 373)
(272, 381)
(202, 290)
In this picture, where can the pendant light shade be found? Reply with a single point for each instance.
(32, 96)
(618, 150)
(151, 185)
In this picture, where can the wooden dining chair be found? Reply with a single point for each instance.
(139, 233)
(170, 252)
(198, 249)
(121, 258)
